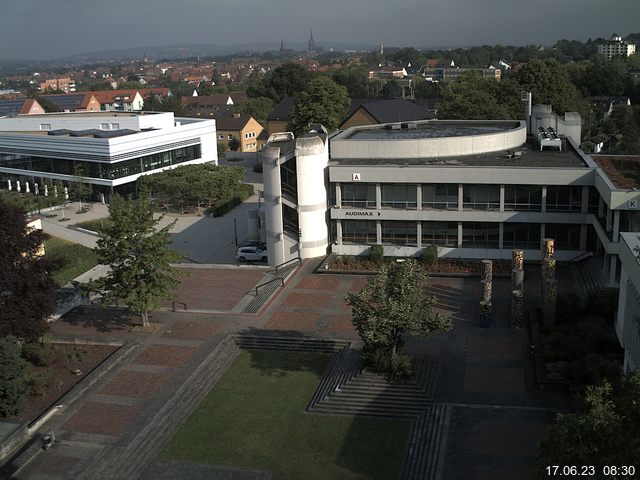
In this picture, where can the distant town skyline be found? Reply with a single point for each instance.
(38, 29)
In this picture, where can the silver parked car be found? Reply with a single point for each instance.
(251, 254)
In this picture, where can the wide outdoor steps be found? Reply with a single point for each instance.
(589, 277)
(265, 292)
(289, 344)
(423, 460)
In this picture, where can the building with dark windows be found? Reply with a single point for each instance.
(475, 189)
(113, 148)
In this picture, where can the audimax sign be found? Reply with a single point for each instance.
(357, 213)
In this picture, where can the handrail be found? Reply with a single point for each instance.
(297, 259)
(281, 280)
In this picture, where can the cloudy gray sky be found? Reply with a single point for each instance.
(42, 29)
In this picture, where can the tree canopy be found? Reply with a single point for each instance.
(607, 432)
(27, 288)
(138, 255)
(193, 184)
(13, 381)
(323, 101)
(472, 97)
(392, 304)
(285, 81)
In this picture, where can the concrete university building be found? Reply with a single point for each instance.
(114, 148)
(475, 189)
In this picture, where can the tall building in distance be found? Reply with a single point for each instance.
(616, 46)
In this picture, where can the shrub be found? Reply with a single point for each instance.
(13, 380)
(395, 368)
(225, 205)
(377, 254)
(429, 255)
(40, 354)
(602, 303)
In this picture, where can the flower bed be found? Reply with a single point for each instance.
(448, 266)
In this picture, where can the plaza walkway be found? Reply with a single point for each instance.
(115, 430)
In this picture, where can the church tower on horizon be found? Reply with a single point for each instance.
(311, 45)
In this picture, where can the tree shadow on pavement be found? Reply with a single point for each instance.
(103, 320)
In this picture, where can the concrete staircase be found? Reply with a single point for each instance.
(426, 448)
(589, 277)
(267, 291)
(289, 344)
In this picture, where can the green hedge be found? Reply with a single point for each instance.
(225, 205)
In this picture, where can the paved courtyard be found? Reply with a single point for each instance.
(497, 413)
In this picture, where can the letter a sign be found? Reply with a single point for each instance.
(355, 177)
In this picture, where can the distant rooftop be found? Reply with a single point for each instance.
(622, 170)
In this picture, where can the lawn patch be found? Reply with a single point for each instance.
(254, 418)
(77, 259)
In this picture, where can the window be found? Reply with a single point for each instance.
(481, 197)
(522, 197)
(444, 234)
(220, 137)
(104, 126)
(45, 126)
(399, 195)
(399, 233)
(229, 137)
(359, 232)
(440, 196)
(480, 235)
(115, 126)
(564, 198)
(359, 195)
(567, 237)
(521, 235)
(289, 179)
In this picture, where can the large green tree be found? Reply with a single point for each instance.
(259, 108)
(549, 84)
(394, 303)
(193, 184)
(13, 376)
(285, 81)
(27, 288)
(471, 97)
(138, 255)
(323, 101)
(606, 432)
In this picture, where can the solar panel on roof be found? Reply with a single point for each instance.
(10, 106)
(65, 101)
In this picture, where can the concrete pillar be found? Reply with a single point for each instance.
(613, 270)
(585, 199)
(517, 279)
(378, 232)
(339, 231)
(500, 235)
(609, 219)
(486, 287)
(460, 199)
(419, 234)
(517, 309)
(501, 204)
(459, 234)
(583, 237)
(419, 197)
(544, 199)
(338, 195)
(616, 226)
(549, 300)
(378, 196)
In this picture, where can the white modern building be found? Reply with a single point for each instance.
(615, 46)
(114, 148)
(475, 189)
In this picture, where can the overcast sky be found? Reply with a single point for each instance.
(43, 29)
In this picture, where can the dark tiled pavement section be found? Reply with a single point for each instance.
(216, 288)
(473, 362)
